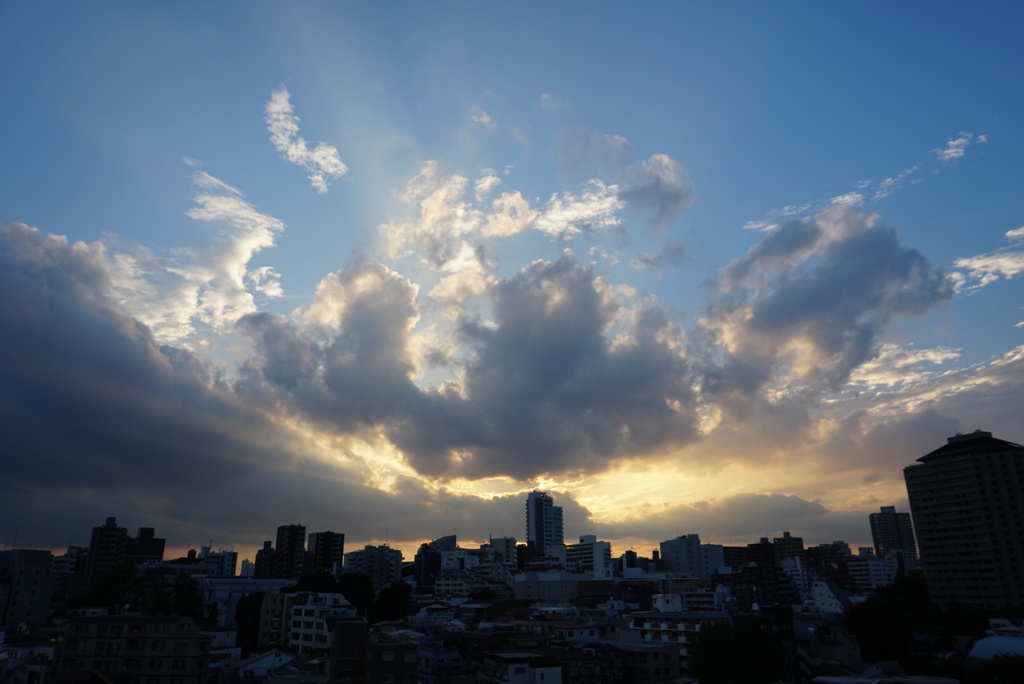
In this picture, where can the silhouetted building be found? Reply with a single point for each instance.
(106, 549)
(326, 550)
(290, 552)
(144, 548)
(25, 586)
(967, 499)
(892, 531)
(543, 521)
(134, 648)
(382, 564)
(264, 562)
(788, 546)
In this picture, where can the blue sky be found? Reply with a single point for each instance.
(691, 267)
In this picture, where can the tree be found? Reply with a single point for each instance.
(247, 617)
(739, 653)
(358, 589)
(320, 581)
(392, 603)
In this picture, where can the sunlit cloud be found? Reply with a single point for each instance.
(322, 161)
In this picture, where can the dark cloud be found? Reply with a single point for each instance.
(544, 389)
(98, 420)
(658, 185)
(550, 393)
(813, 297)
(90, 402)
(744, 518)
(670, 255)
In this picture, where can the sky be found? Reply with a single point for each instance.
(384, 268)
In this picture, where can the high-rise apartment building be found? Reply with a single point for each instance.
(106, 549)
(892, 531)
(967, 500)
(290, 552)
(326, 550)
(543, 521)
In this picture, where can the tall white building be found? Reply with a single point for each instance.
(543, 521)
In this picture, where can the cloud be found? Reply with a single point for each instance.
(590, 211)
(808, 302)
(552, 103)
(322, 161)
(956, 147)
(485, 184)
(893, 183)
(661, 185)
(479, 116)
(672, 254)
(658, 185)
(850, 199)
(986, 269)
(896, 365)
(546, 390)
(96, 409)
(209, 284)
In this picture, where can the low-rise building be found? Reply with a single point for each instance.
(680, 629)
(154, 650)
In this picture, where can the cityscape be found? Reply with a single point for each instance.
(305, 608)
(533, 343)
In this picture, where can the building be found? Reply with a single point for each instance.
(134, 648)
(892, 531)
(519, 667)
(290, 552)
(25, 587)
(788, 546)
(145, 547)
(264, 564)
(686, 555)
(106, 549)
(311, 619)
(680, 629)
(543, 521)
(589, 556)
(382, 564)
(967, 500)
(326, 551)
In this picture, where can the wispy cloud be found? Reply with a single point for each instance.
(985, 269)
(479, 116)
(322, 161)
(208, 283)
(955, 148)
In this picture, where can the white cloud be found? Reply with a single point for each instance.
(1015, 234)
(485, 184)
(266, 280)
(592, 210)
(208, 283)
(850, 199)
(481, 117)
(895, 365)
(891, 184)
(956, 148)
(322, 161)
(988, 268)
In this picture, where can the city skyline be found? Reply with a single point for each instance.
(387, 269)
